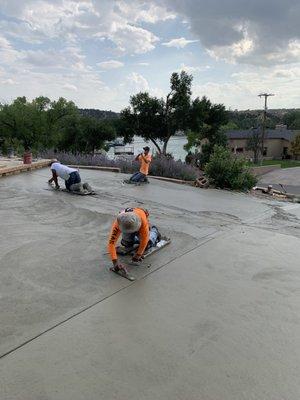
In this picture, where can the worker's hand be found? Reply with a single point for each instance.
(137, 258)
(117, 265)
(50, 182)
(57, 187)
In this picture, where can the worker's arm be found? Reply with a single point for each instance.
(113, 238)
(147, 160)
(54, 179)
(137, 157)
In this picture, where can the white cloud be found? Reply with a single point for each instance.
(191, 69)
(72, 21)
(137, 12)
(137, 83)
(8, 54)
(132, 39)
(179, 43)
(255, 32)
(111, 64)
(241, 91)
(9, 82)
(143, 64)
(68, 86)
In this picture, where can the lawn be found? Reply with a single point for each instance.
(283, 163)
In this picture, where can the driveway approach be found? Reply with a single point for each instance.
(289, 178)
(215, 316)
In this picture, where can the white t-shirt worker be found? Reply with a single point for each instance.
(69, 175)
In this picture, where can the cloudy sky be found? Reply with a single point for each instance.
(99, 52)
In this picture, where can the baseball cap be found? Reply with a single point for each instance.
(129, 222)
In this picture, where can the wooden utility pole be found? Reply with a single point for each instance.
(265, 95)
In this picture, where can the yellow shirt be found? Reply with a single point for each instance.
(145, 165)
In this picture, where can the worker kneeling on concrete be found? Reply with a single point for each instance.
(70, 176)
(134, 226)
(145, 160)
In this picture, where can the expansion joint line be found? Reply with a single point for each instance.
(51, 328)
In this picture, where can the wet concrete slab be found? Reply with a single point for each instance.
(199, 328)
(94, 334)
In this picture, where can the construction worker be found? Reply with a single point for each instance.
(133, 224)
(70, 176)
(145, 160)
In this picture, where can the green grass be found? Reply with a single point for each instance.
(283, 163)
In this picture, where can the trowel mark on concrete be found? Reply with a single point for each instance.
(203, 333)
(281, 275)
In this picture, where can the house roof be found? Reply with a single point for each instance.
(270, 134)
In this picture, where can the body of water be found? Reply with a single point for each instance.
(175, 146)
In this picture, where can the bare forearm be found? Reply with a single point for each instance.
(54, 179)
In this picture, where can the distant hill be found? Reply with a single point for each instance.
(99, 114)
(247, 119)
(243, 119)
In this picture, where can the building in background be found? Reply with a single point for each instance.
(277, 142)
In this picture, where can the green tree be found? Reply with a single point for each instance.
(292, 119)
(23, 121)
(58, 115)
(295, 147)
(206, 122)
(158, 119)
(254, 144)
(94, 134)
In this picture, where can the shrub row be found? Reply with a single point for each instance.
(160, 166)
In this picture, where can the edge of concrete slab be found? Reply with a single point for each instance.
(96, 167)
(24, 168)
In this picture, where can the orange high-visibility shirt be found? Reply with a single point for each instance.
(143, 234)
(145, 165)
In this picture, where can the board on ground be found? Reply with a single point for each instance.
(123, 273)
(122, 251)
(129, 182)
(86, 193)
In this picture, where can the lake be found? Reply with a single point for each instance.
(175, 146)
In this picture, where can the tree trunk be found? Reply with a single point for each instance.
(164, 151)
(156, 145)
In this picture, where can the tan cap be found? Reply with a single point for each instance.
(129, 222)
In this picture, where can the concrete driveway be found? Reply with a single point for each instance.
(288, 177)
(215, 316)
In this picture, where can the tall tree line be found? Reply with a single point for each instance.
(43, 124)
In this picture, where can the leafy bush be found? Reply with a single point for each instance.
(160, 166)
(225, 171)
(169, 168)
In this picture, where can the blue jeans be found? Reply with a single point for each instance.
(74, 178)
(138, 177)
(130, 239)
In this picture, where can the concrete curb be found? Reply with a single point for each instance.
(97, 168)
(173, 180)
(6, 171)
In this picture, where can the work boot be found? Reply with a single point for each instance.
(77, 187)
(87, 187)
